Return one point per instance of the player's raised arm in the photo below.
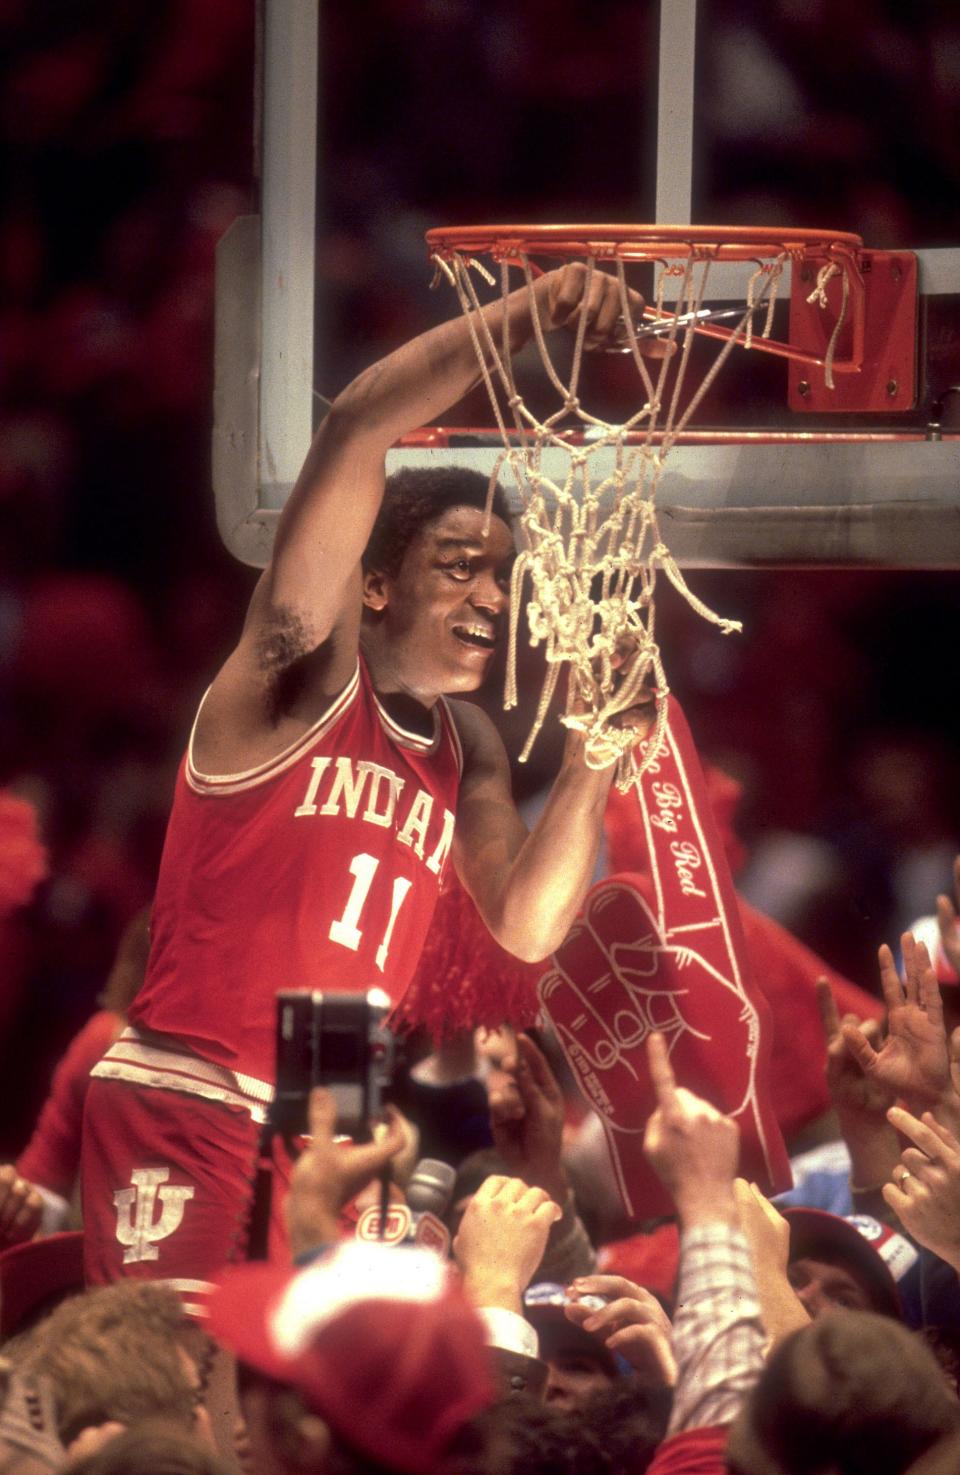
(311, 589)
(331, 511)
(327, 520)
(527, 886)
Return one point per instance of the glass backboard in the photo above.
(674, 113)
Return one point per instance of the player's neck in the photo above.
(411, 708)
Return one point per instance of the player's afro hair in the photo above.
(416, 496)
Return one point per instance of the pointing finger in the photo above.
(661, 1071)
(827, 1004)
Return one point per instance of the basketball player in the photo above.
(326, 784)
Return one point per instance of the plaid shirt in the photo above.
(718, 1337)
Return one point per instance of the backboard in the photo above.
(765, 479)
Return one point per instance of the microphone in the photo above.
(431, 1187)
(420, 1220)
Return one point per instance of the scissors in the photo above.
(660, 326)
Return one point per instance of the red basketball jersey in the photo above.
(317, 870)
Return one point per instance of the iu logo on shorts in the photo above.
(137, 1227)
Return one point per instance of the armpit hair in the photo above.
(288, 659)
(284, 640)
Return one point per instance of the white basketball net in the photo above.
(590, 542)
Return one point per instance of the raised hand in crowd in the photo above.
(925, 1189)
(495, 1052)
(526, 1121)
(912, 1061)
(21, 1208)
(860, 1100)
(526, 1112)
(328, 1174)
(948, 916)
(501, 1241)
(691, 1146)
(854, 1094)
(768, 1235)
(632, 1323)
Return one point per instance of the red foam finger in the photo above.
(664, 951)
(607, 1078)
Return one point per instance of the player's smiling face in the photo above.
(442, 614)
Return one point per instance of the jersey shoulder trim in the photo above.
(450, 723)
(233, 783)
(415, 741)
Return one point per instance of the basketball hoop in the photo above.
(591, 545)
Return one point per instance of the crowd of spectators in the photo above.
(129, 131)
(749, 1336)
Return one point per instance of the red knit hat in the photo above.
(380, 1342)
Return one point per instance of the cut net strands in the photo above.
(591, 544)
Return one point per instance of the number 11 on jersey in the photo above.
(347, 930)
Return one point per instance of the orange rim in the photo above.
(639, 242)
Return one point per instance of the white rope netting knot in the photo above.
(591, 546)
(819, 296)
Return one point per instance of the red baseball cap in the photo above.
(36, 1275)
(878, 1252)
(379, 1341)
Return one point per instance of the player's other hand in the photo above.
(629, 661)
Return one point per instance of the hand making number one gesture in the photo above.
(912, 1062)
(692, 1147)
